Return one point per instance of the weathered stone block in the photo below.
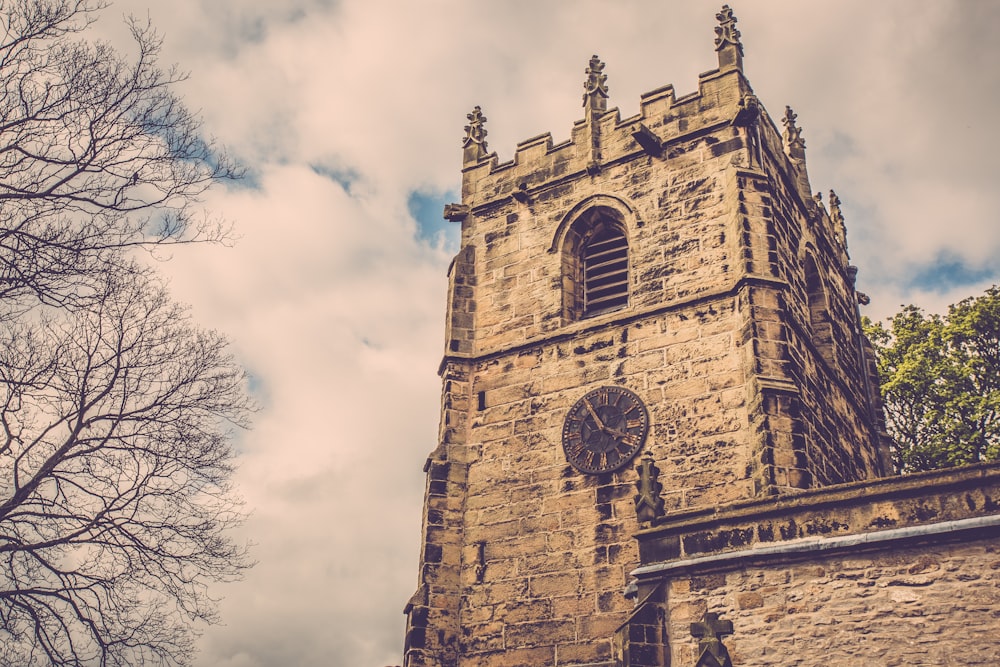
(540, 633)
(553, 585)
(588, 653)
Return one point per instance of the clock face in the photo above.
(604, 430)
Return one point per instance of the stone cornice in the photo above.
(612, 320)
(868, 507)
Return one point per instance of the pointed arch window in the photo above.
(595, 265)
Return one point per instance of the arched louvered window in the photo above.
(595, 261)
(820, 326)
(605, 270)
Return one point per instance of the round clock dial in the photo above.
(604, 430)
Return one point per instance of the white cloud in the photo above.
(337, 307)
(334, 307)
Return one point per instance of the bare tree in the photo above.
(115, 410)
(115, 494)
(97, 153)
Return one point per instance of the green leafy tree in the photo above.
(940, 383)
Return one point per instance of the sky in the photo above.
(348, 116)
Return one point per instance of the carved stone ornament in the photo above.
(747, 117)
(709, 632)
(521, 194)
(726, 32)
(475, 131)
(793, 133)
(749, 110)
(456, 212)
(595, 88)
(648, 503)
(648, 140)
(837, 217)
(834, 200)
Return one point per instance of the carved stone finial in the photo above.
(837, 217)
(709, 632)
(727, 40)
(793, 133)
(726, 32)
(595, 88)
(795, 145)
(648, 503)
(475, 131)
(834, 201)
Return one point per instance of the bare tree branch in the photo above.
(116, 495)
(115, 410)
(97, 153)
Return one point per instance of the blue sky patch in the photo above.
(428, 210)
(948, 272)
(249, 181)
(344, 177)
(258, 389)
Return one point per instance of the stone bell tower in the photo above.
(663, 289)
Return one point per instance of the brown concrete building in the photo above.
(661, 304)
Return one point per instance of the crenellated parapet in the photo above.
(603, 138)
(510, 209)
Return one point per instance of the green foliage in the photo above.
(940, 379)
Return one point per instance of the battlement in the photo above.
(603, 139)
(672, 162)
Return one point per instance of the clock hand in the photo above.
(618, 434)
(593, 413)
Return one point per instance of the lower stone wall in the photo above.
(899, 571)
(922, 605)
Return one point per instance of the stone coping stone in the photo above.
(870, 506)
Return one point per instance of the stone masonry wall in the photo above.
(677, 217)
(541, 550)
(905, 571)
(432, 628)
(548, 549)
(920, 605)
(545, 549)
(823, 428)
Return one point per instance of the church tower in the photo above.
(661, 293)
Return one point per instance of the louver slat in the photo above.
(605, 271)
